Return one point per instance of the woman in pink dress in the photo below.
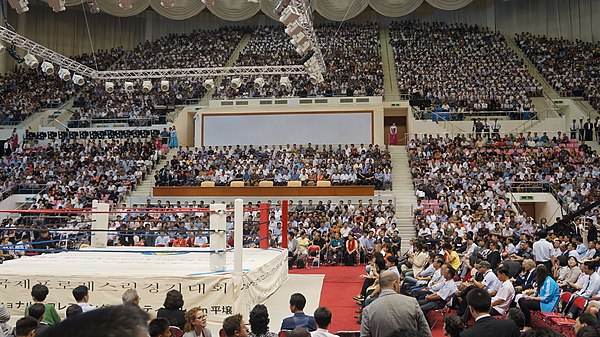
(14, 140)
(393, 134)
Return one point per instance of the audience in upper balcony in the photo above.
(460, 67)
(351, 55)
(571, 67)
(28, 90)
(347, 165)
(76, 173)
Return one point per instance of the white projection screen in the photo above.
(288, 128)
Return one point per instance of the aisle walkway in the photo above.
(340, 284)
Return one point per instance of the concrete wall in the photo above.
(546, 206)
(184, 123)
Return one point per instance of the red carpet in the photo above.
(339, 285)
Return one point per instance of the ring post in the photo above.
(218, 239)
(99, 221)
(264, 225)
(238, 236)
(284, 223)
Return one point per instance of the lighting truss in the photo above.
(66, 63)
(200, 72)
(44, 53)
(305, 21)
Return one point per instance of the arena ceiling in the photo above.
(238, 10)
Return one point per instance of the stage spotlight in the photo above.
(109, 87)
(78, 79)
(2, 48)
(164, 85)
(64, 74)
(167, 3)
(316, 78)
(126, 4)
(57, 5)
(31, 61)
(303, 48)
(146, 86)
(293, 28)
(47, 68)
(259, 82)
(21, 6)
(236, 83)
(284, 82)
(254, 1)
(298, 39)
(128, 86)
(209, 84)
(289, 15)
(209, 2)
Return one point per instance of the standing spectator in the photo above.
(393, 134)
(173, 141)
(165, 135)
(485, 325)
(259, 322)
(542, 251)
(323, 319)
(392, 311)
(299, 319)
(172, 309)
(39, 292)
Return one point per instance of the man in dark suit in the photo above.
(480, 303)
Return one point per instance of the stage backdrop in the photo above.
(343, 127)
(221, 294)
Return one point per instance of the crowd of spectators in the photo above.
(342, 165)
(351, 54)
(102, 59)
(78, 172)
(128, 318)
(460, 67)
(28, 90)
(571, 67)
(473, 174)
(199, 49)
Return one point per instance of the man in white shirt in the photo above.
(82, 296)
(323, 319)
(504, 296)
(542, 251)
(438, 299)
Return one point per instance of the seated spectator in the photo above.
(259, 322)
(110, 321)
(323, 319)
(545, 297)
(505, 295)
(195, 325)
(299, 319)
(159, 327)
(440, 298)
(39, 292)
(26, 327)
(172, 309)
(73, 310)
(37, 311)
(453, 326)
(234, 326)
(480, 305)
(584, 320)
(82, 296)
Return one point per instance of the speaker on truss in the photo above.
(84, 134)
(63, 135)
(52, 135)
(73, 134)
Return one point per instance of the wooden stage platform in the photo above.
(252, 191)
